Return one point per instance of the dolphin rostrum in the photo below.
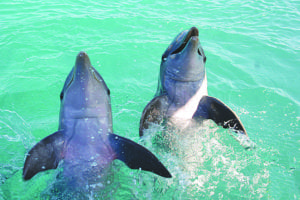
(84, 140)
(182, 88)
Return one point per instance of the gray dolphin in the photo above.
(182, 88)
(84, 140)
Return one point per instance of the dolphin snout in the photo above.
(83, 60)
(193, 32)
(82, 55)
(193, 35)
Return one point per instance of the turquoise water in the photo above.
(252, 51)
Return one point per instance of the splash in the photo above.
(15, 139)
(205, 162)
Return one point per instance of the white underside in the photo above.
(187, 111)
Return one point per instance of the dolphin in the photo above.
(182, 88)
(85, 142)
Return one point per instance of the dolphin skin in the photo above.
(182, 88)
(85, 141)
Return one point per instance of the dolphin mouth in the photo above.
(193, 32)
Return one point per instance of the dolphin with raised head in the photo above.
(182, 88)
(85, 141)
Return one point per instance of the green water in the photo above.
(252, 51)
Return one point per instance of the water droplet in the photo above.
(43, 167)
(86, 99)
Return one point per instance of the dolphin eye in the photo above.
(61, 95)
(199, 52)
(202, 54)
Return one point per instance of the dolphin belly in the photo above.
(188, 110)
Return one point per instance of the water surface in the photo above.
(252, 51)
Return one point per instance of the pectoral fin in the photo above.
(44, 155)
(136, 156)
(221, 114)
(153, 112)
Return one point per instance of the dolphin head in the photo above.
(184, 59)
(85, 93)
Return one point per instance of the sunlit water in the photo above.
(252, 51)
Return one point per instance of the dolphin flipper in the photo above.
(153, 112)
(221, 114)
(136, 156)
(44, 155)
